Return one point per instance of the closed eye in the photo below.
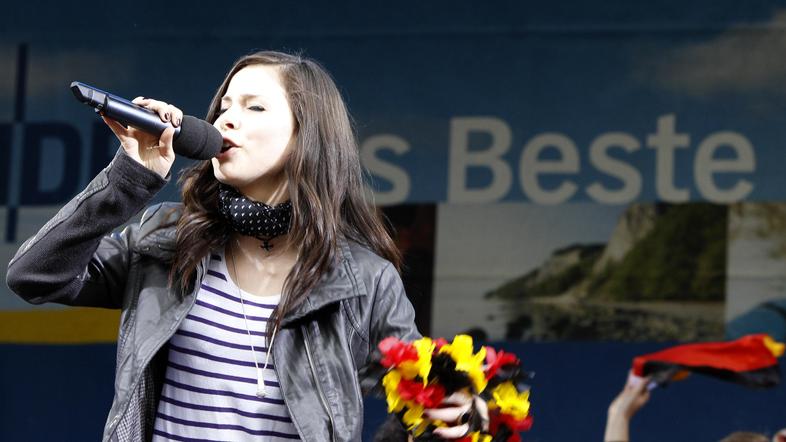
(257, 108)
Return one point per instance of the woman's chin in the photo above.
(254, 186)
(224, 174)
(229, 182)
(223, 177)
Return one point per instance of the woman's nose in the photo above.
(227, 120)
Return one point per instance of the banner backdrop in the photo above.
(584, 171)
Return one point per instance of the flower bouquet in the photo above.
(421, 374)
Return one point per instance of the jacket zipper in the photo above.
(172, 329)
(318, 384)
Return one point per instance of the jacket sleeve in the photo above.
(73, 259)
(392, 315)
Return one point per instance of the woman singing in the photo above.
(251, 310)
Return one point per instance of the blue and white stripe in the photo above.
(210, 388)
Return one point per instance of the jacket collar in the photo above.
(157, 233)
(338, 284)
(159, 244)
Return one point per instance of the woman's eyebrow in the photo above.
(243, 97)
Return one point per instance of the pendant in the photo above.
(261, 393)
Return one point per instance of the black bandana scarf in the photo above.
(253, 218)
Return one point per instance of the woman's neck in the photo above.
(252, 249)
(257, 270)
(271, 191)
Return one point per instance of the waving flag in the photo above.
(750, 361)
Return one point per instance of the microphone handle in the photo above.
(199, 141)
(133, 115)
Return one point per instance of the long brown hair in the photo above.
(325, 185)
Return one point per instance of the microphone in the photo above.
(194, 138)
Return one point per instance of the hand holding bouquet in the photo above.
(427, 374)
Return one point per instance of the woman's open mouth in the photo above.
(227, 146)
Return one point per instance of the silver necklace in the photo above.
(261, 390)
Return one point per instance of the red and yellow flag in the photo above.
(750, 361)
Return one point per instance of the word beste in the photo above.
(533, 168)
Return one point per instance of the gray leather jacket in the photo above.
(321, 350)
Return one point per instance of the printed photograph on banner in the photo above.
(641, 272)
(756, 278)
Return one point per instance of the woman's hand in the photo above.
(458, 411)
(155, 153)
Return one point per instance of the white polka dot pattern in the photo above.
(253, 218)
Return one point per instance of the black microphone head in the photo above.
(197, 139)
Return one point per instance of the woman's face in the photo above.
(259, 130)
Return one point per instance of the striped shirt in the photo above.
(210, 387)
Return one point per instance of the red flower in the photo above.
(430, 396)
(394, 352)
(409, 390)
(516, 426)
(495, 360)
(439, 342)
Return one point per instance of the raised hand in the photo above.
(154, 152)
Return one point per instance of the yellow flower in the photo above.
(390, 382)
(421, 428)
(408, 369)
(413, 416)
(478, 378)
(425, 348)
(421, 367)
(479, 437)
(510, 401)
(467, 361)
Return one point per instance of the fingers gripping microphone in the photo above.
(194, 138)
